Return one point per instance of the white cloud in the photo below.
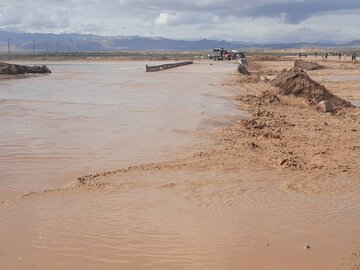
(172, 18)
(165, 19)
(249, 20)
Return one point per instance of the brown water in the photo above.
(182, 220)
(200, 218)
(90, 117)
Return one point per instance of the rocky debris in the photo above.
(325, 106)
(28, 194)
(301, 64)
(242, 70)
(38, 69)
(297, 83)
(12, 69)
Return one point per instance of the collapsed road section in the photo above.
(167, 66)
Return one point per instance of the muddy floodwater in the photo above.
(180, 194)
(90, 117)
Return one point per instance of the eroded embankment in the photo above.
(288, 131)
(12, 69)
(285, 131)
(282, 133)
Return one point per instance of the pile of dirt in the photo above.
(12, 69)
(251, 79)
(297, 83)
(283, 133)
(264, 98)
(301, 64)
(242, 70)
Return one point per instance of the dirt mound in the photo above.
(251, 79)
(242, 70)
(297, 83)
(301, 64)
(12, 69)
(264, 98)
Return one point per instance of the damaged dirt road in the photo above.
(277, 190)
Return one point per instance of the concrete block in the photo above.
(325, 106)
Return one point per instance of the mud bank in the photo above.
(12, 69)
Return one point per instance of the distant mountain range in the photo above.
(24, 42)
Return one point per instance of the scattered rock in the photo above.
(28, 194)
(254, 145)
(201, 154)
(170, 185)
(306, 246)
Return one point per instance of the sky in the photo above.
(262, 21)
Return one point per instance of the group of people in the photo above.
(302, 54)
(325, 56)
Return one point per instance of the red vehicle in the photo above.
(217, 54)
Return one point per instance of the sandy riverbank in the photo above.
(251, 198)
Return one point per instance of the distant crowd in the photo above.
(326, 55)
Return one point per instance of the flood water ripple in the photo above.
(88, 117)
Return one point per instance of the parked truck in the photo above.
(219, 54)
